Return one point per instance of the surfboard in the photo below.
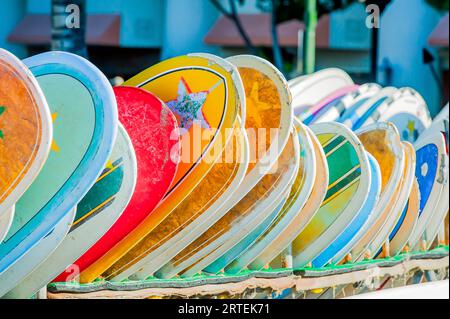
(398, 239)
(407, 110)
(268, 109)
(309, 90)
(431, 157)
(193, 216)
(382, 141)
(153, 132)
(348, 188)
(318, 113)
(202, 94)
(95, 214)
(241, 220)
(341, 246)
(84, 113)
(36, 255)
(25, 130)
(6, 222)
(312, 205)
(354, 100)
(390, 220)
(300, 192)
(358, 115)
(437, 225)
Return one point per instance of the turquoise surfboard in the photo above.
(84, 113)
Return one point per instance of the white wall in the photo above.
(405, 28)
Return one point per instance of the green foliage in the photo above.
(440, 5)
(2, 109)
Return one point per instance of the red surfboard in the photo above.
(153, 131)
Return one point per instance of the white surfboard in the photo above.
(307, 91)
(430, 172)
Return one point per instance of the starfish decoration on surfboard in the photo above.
(189, 105)
(2, 110)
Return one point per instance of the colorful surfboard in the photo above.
(153, 132)
(359, 115)
(300, 192)
(312, 205)
(318, 113)
(405, 226)
(430, 174)
(382, 141)
(348, 188)
(5, 222)
(95, 214)
(309, 90)
(407, 110)
(84, 113)
(391, 219)
(36, 255)
(192, 217)
(25, 130)
(341, 246)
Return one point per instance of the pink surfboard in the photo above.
(153, 131)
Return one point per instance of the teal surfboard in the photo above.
(84, 113)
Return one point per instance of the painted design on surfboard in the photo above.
(426, 171)
(188, 105)
(101, 195)
(75, 89)
(346, 193)
(25, 129)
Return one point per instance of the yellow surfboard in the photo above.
(201, 92)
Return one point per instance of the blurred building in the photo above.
(126, 36)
